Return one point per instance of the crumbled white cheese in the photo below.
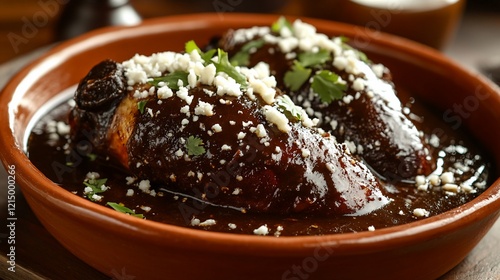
(260, 131)
(236, 191)
(204, 108)
(371, 228)
(144, 186)
(358, 84)
(276, 117)
(262, 230)
(420, 212)
(420, 180)
(447, 177)
(449, 187)
(130, 192)
(305, 153)
(241, 135)
(378, 69)
(434, 180)
(207, 223)
(92, 175)
(226, 148)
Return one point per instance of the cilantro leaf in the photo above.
(223, 65)
(311, 59)
(171, 79)
(295, 78)
(96, 186)
(243, 56)
(141, 105)
(194, 146)
(122, 209)
(191, 46)
(206, 56)
(326, 84)
(288, 107)
(282, 22)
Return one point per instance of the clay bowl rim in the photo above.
(488, 203)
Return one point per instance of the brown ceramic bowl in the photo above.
(111, 241)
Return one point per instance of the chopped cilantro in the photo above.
(206, 56)
(307, 59)
(282, 22)
(223, 65)
(194, 146)
(171, 79)
(122, 209)
(96, 186)
(191, 46)
(295, 78)
(243, 56)
(141, 105)
(326, 84)
(92, 157)
(289, 108)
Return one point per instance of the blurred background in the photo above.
(468, 30)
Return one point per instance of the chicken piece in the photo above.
(232, 147)
(368, 117)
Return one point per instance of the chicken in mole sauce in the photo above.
(270, 127)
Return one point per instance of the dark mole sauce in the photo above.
(68, 168)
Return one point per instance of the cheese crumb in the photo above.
(207, 223)
(419, 212)
(144, 186)
(204, 108)
(262, 230)
(130, 192)
(276, 117)
(447, 177)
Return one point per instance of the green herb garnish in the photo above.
(122, 209)
(171, 79)
(295, 78)
(223, 65)
(288, 107)
(282, 22)
(308, 59)
(92, 157)
(96, 186)
(141, 105)
(326, 84)
(206, 56)
(194, 146)
(242, 58)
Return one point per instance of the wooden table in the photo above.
(40, 256)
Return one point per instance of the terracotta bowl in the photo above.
(111, 241)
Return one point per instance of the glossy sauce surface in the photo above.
(69, 168)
